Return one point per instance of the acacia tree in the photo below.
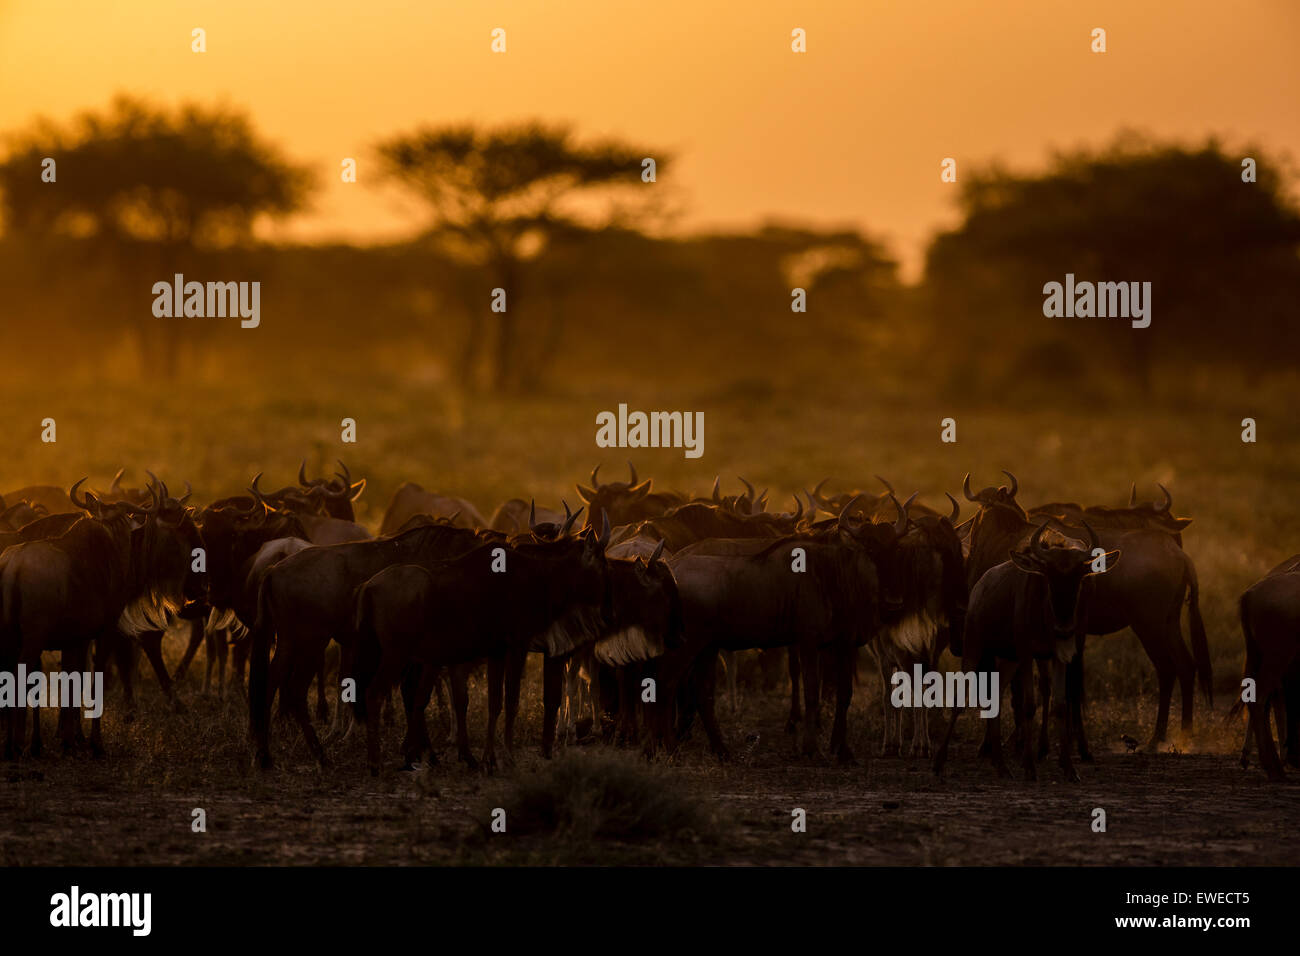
(1220, 252)
(147, 190)
(500, 198)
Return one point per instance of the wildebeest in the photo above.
(1147, 595)
(113, 574)
(625, 502)
(811, 591)
(54, 500)
(1270, 623)
(308, 599)
(468, 608)
(233, 531)
(1033, 607)
(934, 595)
(411, 500)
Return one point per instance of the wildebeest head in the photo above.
(232, 532)
(940, 536)
(333, 495)
(880, 541)
(20, 514)
(1064, 566)
(622, 501)
(1003, 495)
(551, 529)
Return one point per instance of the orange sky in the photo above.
(849, 133)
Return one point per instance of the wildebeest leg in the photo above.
(239, 658)
(1291, 702)
(388, 672)
(707, 690)
(1074, 691)
(197, 627)
(1046, 686)
(515, 661)
(941, 755)
(1165, 674)
(792, 655)
(293, 697)
(151, 644)
(496, 672)
(73, 660)
(459, 679)
(222, 644)
(322, 702)
(845, 660)
(811, 696)
(124, 657)
(889, 746)
(1268, 758)
(552, 688)
(729, 662)
(628, 701)
(1063, 717)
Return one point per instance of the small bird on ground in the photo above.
(1129, 742)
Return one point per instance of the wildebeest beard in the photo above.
(157, 574)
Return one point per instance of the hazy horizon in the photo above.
(755, 129)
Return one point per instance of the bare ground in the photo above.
(1191, 804)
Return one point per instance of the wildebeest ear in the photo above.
(1025, 562)
(586, 493)
(640, 490)
(1181, 523)
(1109, 561)
(357, 488)
(658, 553)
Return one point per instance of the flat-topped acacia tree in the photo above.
(143, 191)
(498, 199)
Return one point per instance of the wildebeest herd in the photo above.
(631, 599)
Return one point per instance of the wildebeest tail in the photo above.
(1200, 645)
(367, 643)
(1251, 660)
(259, 665)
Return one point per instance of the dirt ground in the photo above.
(1190, 804)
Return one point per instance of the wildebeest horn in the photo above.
(84, 503)
(117, 480)
(798, 505)
(532, 514)
(816, 493)
(188, 491)
(302, 474)
(260, 504)
(568, 522)
(844, 512)
(633, 471)
(1133, 495)
(594, 482)
(965, 489)
(717, 484)
(1034, 544)
(900, 526)
(888, 486)
(1169, 499)
(1092, 538)
(658, 552)
(748, 487)
(1015, 485)
(156, 495)
(762, 501)
(956, 508)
